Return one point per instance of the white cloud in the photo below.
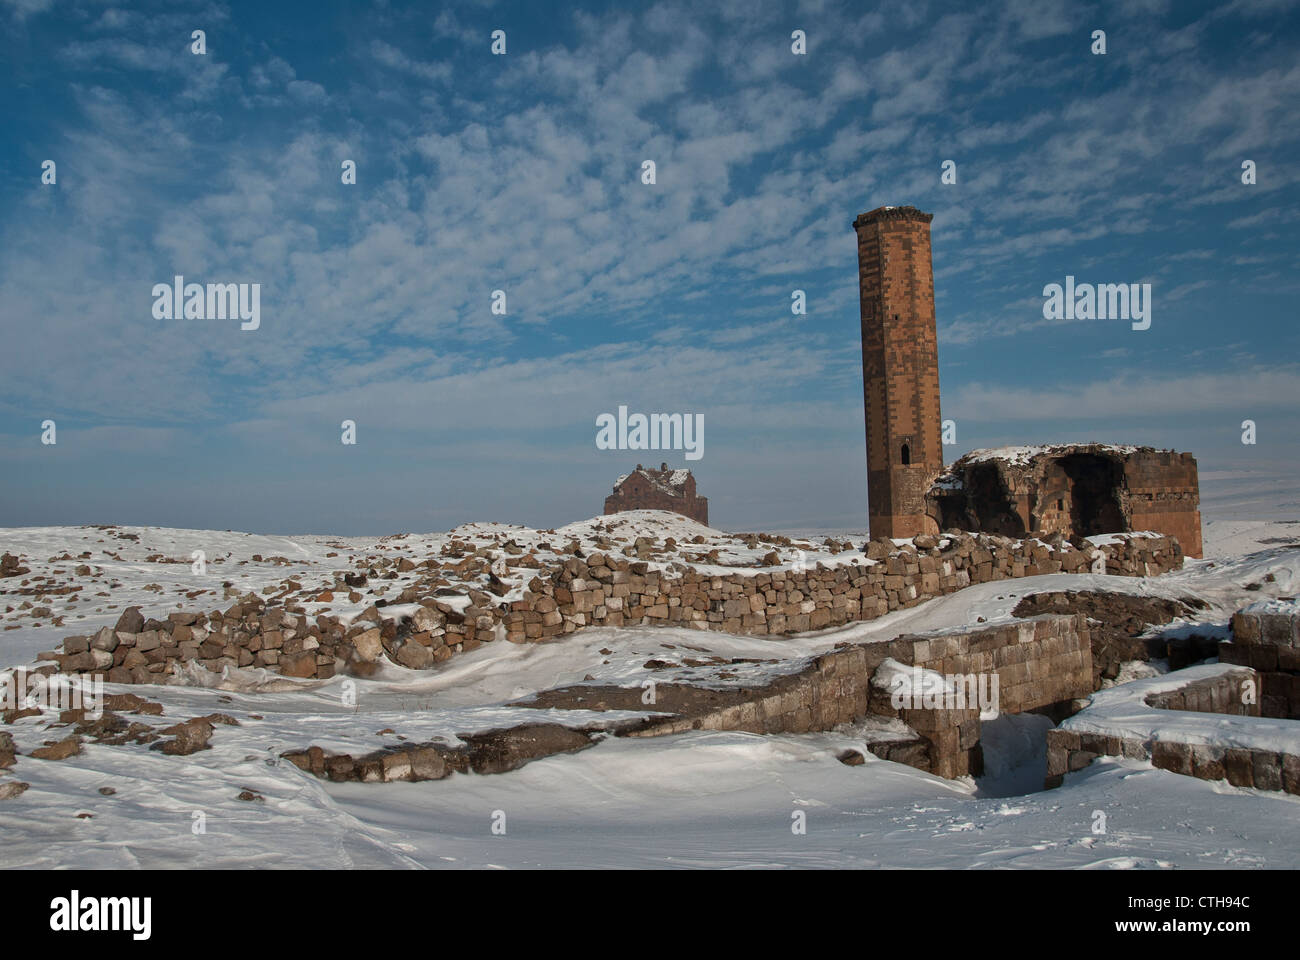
(1135, 395)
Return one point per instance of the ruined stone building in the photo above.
(662, 489)
(1077, 490)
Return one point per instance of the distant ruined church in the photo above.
(662, 489)
(1076, 490)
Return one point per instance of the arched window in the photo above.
(907, 455)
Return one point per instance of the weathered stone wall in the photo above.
(1266, 637)
(1068, 750)
(1040, 663)
(1163, 493)
(598, 590)
(1221, 694)
(253, 633)
(605, 591)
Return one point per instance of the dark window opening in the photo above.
(1060, 503)
(907, 455)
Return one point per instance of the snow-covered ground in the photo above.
(1247, 510)
(692, 800)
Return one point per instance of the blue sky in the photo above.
(522, 173)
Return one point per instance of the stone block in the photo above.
(1172, 756)
(1238, 766)
(1207, 762)
(1266, 768)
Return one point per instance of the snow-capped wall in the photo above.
(1200, 722)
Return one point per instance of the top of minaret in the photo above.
(902, 212)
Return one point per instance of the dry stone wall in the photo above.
(598, 590)
(605, 591)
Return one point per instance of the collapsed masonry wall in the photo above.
(496, 751)
(1241, 766)
(598, 590)
(1039, 662)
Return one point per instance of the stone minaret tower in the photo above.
(900, 368)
